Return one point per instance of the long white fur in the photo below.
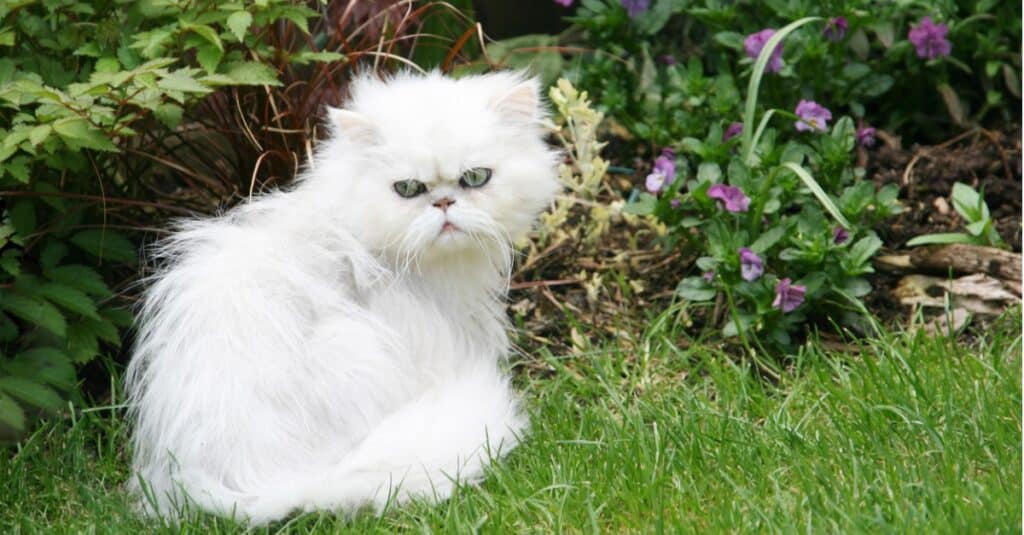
(329, 348)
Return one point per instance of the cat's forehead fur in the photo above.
(436, 110)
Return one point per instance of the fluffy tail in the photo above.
(423, 450)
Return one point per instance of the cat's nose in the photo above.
(444, 203)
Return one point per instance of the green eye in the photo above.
(474, 178)
(410, 188)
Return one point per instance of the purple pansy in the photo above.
(756, 41)
(664, 171)
(667, 59)
(635, 7)
(866, 136)
(675, 203)
(734, 129)
(730, 196)
(709, 276)
(813, 116)
(788, 296)
(751, 265)
(930, 39)
(840, 235)
(564, 3)
(835, 28)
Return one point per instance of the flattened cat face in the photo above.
(440, 167)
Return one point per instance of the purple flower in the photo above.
(866, 136)
(664, 171)
(564, 3)
(930, 39)
(635, 7)
(675, 203)
(733, 130)
(756, 41)
(709, 276)
(840, 235)
(813, 116)
(730, 196)
(751, 265)
(667, 59)
(788, 296)
(835, 28)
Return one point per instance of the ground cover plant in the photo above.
(704, 337)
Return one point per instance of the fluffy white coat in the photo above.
(333, 346)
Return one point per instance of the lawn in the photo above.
(911, 434)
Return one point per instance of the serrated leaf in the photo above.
(104, 330)
(69, 299)
(81, 277)
(79, 133)
(82, 343)
(120, 317)
(183, 81)
(209, 57)
(169, 114)
(206, 32)
(11, 415)
(47, 364)
(39, 134)
(251, 73)
(31, 393)
(105, 244)
(51, 255)
(238, 23)
(35, 311)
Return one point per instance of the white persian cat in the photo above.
(337, 345)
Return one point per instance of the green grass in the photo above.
(910, 435)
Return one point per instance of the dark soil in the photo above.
(988, 161)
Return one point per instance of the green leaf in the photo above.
(695, 289)
(31, 393)
(82, 343)
(857, 287)
(35, 311)
(768, 239)
(77, 132)
(104, 330)
(731, 40)
(238, 23)
(209, 57)
(182, 80)
(11, 415)
(940, 238)
(121, 317)
(23, 217)
(644, 204)
(305, 57)
(39, 134)
(69, 299)
(105, 244)
(864, 249)
(169, 114)
(967, 202)
(81, 277)
(206, 32)
(822, 197)
(46, 364)
(252, 73)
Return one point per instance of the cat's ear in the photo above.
(351, 126)
(521, 103)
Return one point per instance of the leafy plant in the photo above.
(776, 245)
(977, 220)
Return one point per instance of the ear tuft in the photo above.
(351, 126)
(521, 103)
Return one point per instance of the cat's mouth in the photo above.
(448, 226)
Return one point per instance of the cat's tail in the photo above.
(423, 450)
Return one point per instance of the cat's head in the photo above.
(433, 169)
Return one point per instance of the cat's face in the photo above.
(437, 168)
